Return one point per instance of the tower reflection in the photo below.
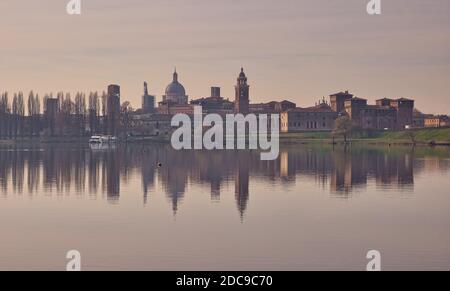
(55, 170)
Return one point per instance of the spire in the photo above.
(175, 76)
(242, 75)
(145, 89)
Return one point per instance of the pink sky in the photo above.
(299, 50)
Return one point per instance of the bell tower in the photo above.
(242, 94)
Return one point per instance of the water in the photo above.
(151, 208)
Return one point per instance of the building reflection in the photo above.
(241, 181)
(54, 170)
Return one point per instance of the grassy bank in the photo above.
(438, 135)
(419, 136)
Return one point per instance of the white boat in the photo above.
(102, 139)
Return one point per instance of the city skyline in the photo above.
(401, 53)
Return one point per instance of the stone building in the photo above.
(271, 107)
(151, 124)
(317, 118)
(173, 108)
(387, 114)
(215, 103)
(371, 117)
(337, 101)
(405, 109)
(437, 121)
(419, 118)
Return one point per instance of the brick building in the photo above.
(386, 114)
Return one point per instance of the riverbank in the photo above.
(431, 136)
(40, 140)
(426, 136)
(79, 140)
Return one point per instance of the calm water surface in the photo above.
(151, 208)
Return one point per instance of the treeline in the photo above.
(69, 116)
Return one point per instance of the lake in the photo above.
(148, 207)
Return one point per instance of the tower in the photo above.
(175, 92)
(113, 109)
(242, 94)
(148, 101)
(405, 109)
(338, 101)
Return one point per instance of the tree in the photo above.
(31, 112)
(104, 105)
(80, 111)
(31, 102)
(94, 107)
(343, 127)
(125, 115)
(5, 116)
(15, 115)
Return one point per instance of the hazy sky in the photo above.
(299, 50)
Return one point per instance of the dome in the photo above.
(175, 88)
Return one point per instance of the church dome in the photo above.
(175, 88)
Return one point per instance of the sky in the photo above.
(299, 50)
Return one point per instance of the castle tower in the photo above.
(242, 94)
(337, 101)
(405, 109)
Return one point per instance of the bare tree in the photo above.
(93, 112)
(104, 105)
(80, 111)
(5, 116)
(31, 112)
(125, 116)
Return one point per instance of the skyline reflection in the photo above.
(61, 171)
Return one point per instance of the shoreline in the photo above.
(417, 137)
(284, 140)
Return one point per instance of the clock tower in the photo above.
(242, 94)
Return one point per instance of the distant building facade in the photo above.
(215, 103)
(386, 114)
(151, 124)
(437, 121)
(272, 107)
(318, 118)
